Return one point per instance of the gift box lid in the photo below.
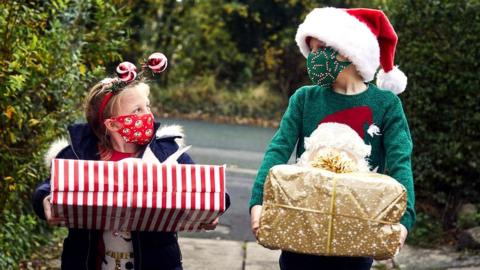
(135, 175)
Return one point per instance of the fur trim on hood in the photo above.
(172, 131)
(54, 150)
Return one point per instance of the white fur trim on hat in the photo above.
(345, 33)
(54, 150)
(394, 80)
(373, 130)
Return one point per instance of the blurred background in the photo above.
(234, 63)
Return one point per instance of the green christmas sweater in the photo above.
(311, 105)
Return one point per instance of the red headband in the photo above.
(105, 100)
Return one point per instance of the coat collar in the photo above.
(85, 143)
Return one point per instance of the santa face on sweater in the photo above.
(338, 143)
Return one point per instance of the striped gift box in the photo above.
(136, 195)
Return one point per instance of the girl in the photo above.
(344, 48)
(120, 125)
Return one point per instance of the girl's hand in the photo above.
(403, 235)
(255, 214)
(47, 208)
(210, 226)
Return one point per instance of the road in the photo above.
(242, 149)
(235, 223)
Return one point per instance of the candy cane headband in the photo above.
(127, 73)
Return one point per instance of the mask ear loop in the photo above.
(105, 136)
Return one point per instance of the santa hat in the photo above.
(364, 36)
(356, 118)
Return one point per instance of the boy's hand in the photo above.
(255, 214)
(210, 226)
(403, 237)
(47, 208)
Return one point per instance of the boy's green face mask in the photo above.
(323, 66)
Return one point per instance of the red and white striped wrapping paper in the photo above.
(135, 195)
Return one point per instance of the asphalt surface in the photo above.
(241, 148)
(235, 223)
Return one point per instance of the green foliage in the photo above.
(46, 256)
(426, 232)
(206, 97)
(237, 42)
(20, 235)
(50, 51)
(468, 221)
(266, 32)
(194, 36)
(438, 50)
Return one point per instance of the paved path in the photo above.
(218, 254)
(211, 254)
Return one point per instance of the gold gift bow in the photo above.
(333, 214)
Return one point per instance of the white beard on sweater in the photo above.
(339, 142)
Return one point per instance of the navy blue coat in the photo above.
(152, 250)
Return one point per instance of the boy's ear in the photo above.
(111, 125)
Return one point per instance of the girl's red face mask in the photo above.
(136, 128)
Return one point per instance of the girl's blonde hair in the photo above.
(92, 106)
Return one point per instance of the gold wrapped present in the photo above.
(315, 211)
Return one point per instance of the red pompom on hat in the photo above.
(364, 36)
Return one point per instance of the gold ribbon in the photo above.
(332, 211)
(329, 213)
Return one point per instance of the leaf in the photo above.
(82, 68)
(33, 43)
(9, 111)
(33, 122)
(12, 136)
